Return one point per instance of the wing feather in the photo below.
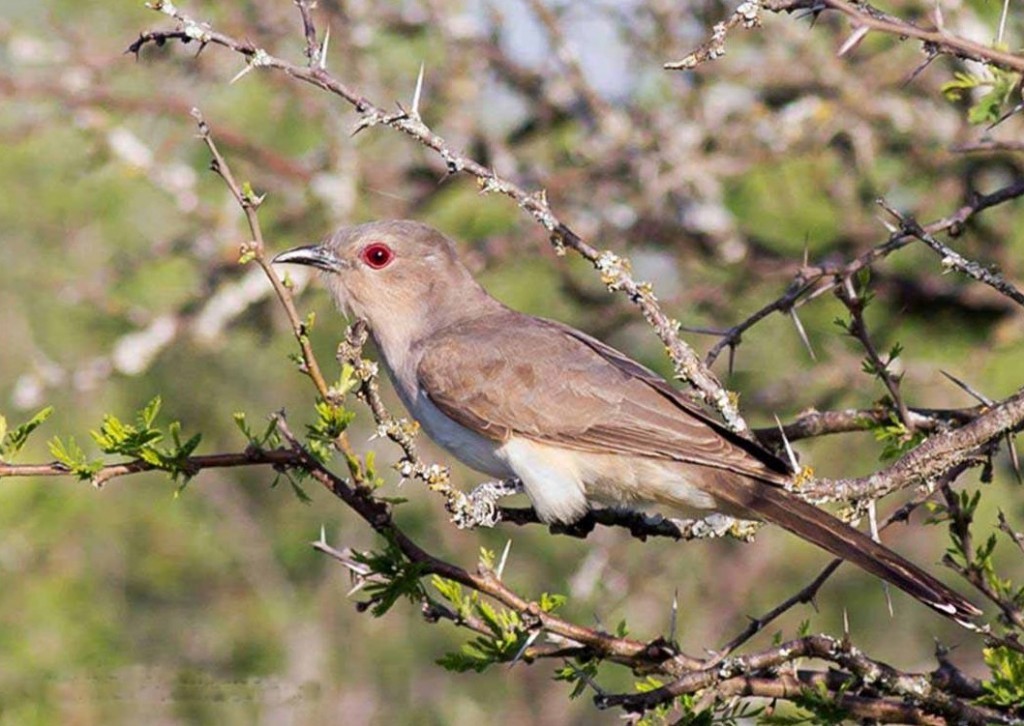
(513, 374)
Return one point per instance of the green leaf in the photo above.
(577, 674)
(954, 90)
(487, 558)
(1007, 685)
(549, 603)
(987, 110)
(822, 704)
(395, 577)
(331, 422)
(989, 107)
(148, 414)
(896, 440)
(347, 380)
(298, 491)
(72, 456)
(268, 439)
(12, 442)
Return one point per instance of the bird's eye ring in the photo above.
(377, 255)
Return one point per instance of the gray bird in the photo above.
(576, 421)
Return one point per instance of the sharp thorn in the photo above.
(675, 616)
(415, 112)
(789, 449)
(853, 41)
(803, 333)
(1014, 459)
(981, 398)
(323, 49)
(504, 559)
(238, 76)
(529, 641)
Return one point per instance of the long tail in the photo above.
(773, 504)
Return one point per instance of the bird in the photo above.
(577, 422)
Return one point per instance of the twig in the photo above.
(249, 203)
(960, 520)
(935, 41)
(930, 460)
(378, 515)
(858, 329)
(812, 424)
(915, 688)
(748, 15)
(951, 259)
(813, 280)
(250, 457)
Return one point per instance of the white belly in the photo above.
(472, 449)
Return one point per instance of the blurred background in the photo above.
(119, 281)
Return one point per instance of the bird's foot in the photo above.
(479, 508)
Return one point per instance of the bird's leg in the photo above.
(479, 508)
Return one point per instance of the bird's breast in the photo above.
(469, 447)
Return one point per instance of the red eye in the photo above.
(377, 255)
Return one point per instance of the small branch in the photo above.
(748, 15)
(929, 461)
(858, 329)
(960, 520)
(935, 41)
(1017, 537)
(916, 689)
(811, 281)
(249, 203)
(756, 625)
(378, 515)
(809, 591)
(812, 424)
(309, 31)
(951, 259)
(731, 338)
(250, 457)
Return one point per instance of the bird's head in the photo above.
(400, 276)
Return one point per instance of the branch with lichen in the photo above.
(934, 41)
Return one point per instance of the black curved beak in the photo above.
(313, 255)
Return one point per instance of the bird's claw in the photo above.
(479, 508)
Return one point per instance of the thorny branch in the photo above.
(916, 688)
(926, 463)
(811, 281)
(865, 18)
(952, 259)
(857, 328)
(809, 592)
(937, 40)
(250, 202)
